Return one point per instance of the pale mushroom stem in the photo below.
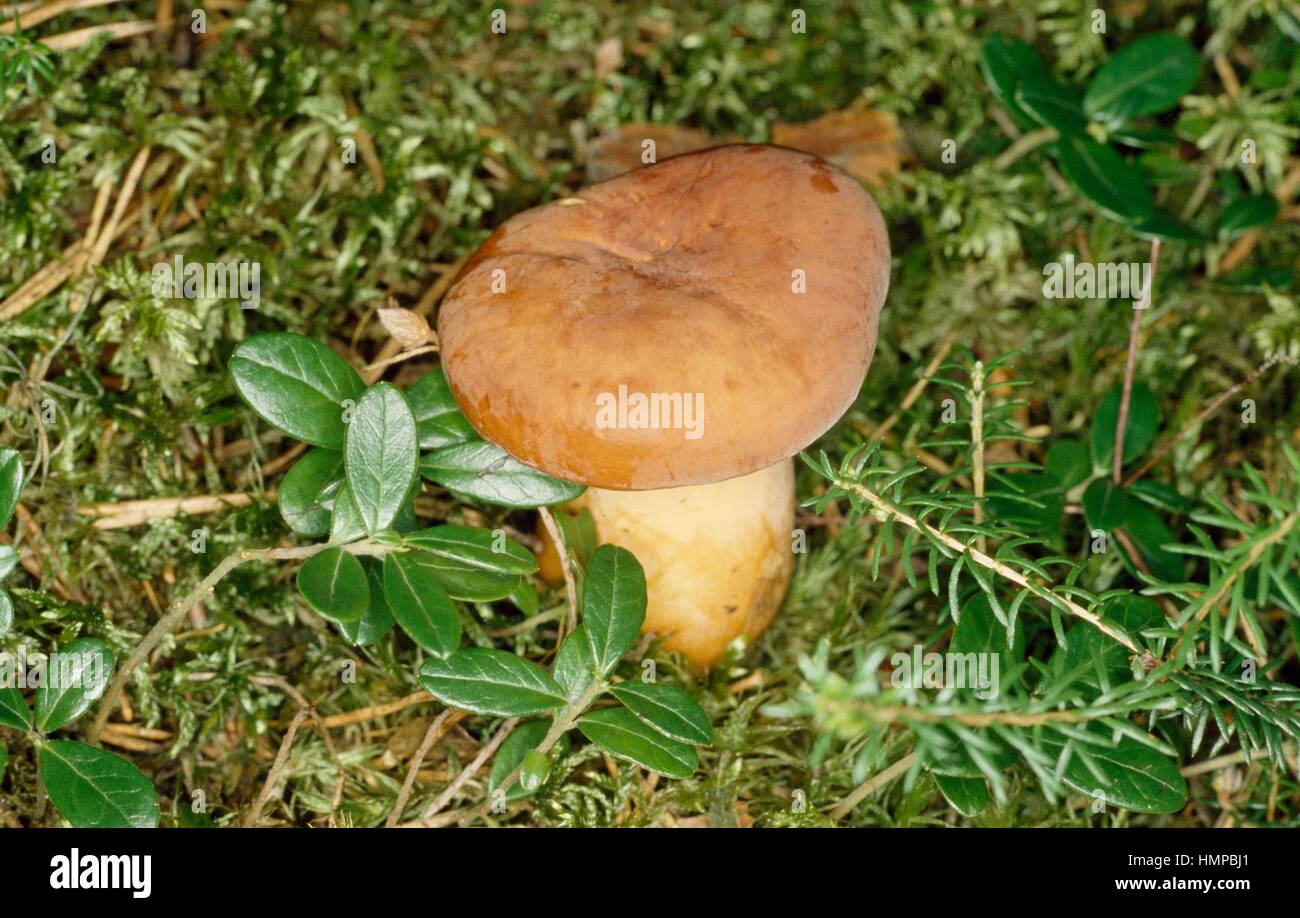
(717, 557)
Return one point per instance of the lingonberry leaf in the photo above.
(95, 789)
(296, 384)
(380, 455)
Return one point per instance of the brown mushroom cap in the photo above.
(679, 278)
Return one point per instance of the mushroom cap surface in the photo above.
(682, 324)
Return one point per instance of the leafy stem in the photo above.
(974, 554)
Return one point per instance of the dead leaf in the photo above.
(609, 57)
(614, 154)
(408, 328)
(865, 144)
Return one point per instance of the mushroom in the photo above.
(670, 338)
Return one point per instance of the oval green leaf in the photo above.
(471, 584)
(1139, 429)
(1005, 61)
(613, 604)
(296, 384)
(334, 584)
(346, 523)
(378, 617)
(438, 419)
(968, 796)
(75, 677)
(1106, 505)
(13, 709)
(1105, 178)
(1245, 213)
(470, 547)
(1068, 462)
(1137, 777)
(380, 455)
(1146, 77)
(300, 492)
(1052, 104)
(574, 670)
(1161, 225)
(1150, 534)
(488, 681)
(8, 561)
(488, 473)
(11, 483)
(6, 613)
(620, 733)
(522, 740)
(95, 789)
(420, 605)
(668, 709)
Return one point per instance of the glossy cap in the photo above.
(682, 324)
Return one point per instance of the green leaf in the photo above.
(1014, 507)
(11, 483)
(94, 789)
(1257, 279)
(1248, 212)
(378, 617)
(1161, 225)
(1106, 505)
(1088, 648)
(534, 771)
(666, 708)
(468, 583)
(1139, 429)
(1105, 178)
(1006, 61)
(300, 492)
(297, 385)
(1068, 462)
(574, 670)
(421, 606)
(1143, 137)
(1137, 777)
(579, 534)
(522, 740)
(1160, 495)
(968, 796)
(613, 604)
(6, 613)
(1052, 104)
(475, 548)
(490, 474)
(380, 455)
(1149, 533)
(8, 561)
(438, 418)
(979, 631)
(347, 523)
(13, 709)
(525, 598)
(1146, 77)
(334, 584)
(488, 681)
(73, 684)
(622, 735)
